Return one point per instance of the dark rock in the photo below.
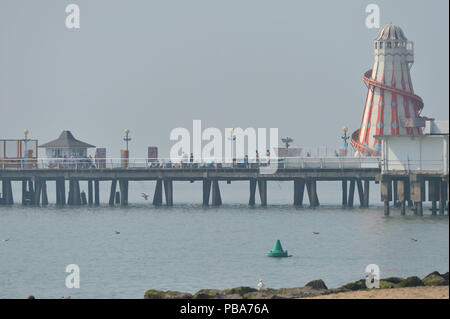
(357, 285)
(413, 281)
(317, 284)
(434, 279)
(394, 280)
(238, 291)
(159, 294)
(436, 273)
(208, 294)
(232, 296)
(297, 292)
(445, 276)
(279, 297)
(387, 284)
(267, 293)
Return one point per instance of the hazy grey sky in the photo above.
(151, 66)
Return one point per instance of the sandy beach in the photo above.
(441, 292)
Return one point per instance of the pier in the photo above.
(403, 188)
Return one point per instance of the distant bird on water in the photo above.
(316, 233)
(413, 239)
(145, 196)
(6, 239)
(117, 232)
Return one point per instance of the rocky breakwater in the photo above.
(311, 289)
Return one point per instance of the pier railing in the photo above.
(164, 163)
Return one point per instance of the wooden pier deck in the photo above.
(404, 188)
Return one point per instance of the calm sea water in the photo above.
(188, 247)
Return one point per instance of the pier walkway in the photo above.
(355, 175)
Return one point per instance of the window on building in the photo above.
(57, 153)
(376, 45)
(388, 45)
(381, 45)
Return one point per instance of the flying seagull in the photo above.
(145, 196)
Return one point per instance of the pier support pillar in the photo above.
(97, 192)
(395, 193)
(351, 193)
(418, 208)
(37, 191)
(408, 193)
(386, 208)
(123, 186)
(77, 193)
(316, 196)
(60, 184)
(216, 198)
(433, 195)
(27, 192)
(360, 192)
(168, 190)
(70, 195)
(117, 198)
(112, 193)
(262, 186)
(401, 196)
(24, 192)
(8, 198)
(44, 193)
(57, 192)
(442, 197)
(311, 187)
(90, 192)
(206, 191)
(386, 193)
(366, 192)
(158, 196)
(63, 191)
(344, 193)
(83, 199)
(417, 184)
(299, 190)
(251, 200)
(30, 186)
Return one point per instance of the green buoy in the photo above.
(277, 251)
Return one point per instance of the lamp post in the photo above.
(233, 139)
(345, 138)
(25, 141)
(25, 132)
(127, 138)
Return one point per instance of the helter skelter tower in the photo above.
(391, 107)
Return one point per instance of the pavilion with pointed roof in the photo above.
(66, 145)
